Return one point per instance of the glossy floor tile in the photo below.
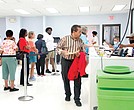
(47, 92)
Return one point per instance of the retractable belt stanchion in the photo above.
(25, 97)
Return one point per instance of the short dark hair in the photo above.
(22, 33)
(48, 29)
(116, 37)
(94, 33)
(39, 36)
(9, 33)
(75, 28)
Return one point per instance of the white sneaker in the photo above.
(32, 78)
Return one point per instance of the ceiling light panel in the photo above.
(1, 1)
(52, 10)
(38, 0)
(21, 11)
(118, 7)
(84, 9)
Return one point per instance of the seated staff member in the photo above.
(131, 40)
(24, 46)
(116, 42)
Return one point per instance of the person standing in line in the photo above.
(50, 45)
(33, 50)
(9, 64)
(25, 48)
(86, 44)
(41, 58)
(69, 47)
(95, 39)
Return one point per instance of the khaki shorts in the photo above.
(50, 55)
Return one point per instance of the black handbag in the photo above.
(19, 55)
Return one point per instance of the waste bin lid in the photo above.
(117, 69)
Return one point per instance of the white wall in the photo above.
(2, 28)
(14, 26)
(61, 24)
(33, 24)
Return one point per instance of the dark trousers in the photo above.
(40, 64)
(22, 72)
(65, 65)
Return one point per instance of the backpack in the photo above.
(44, 49)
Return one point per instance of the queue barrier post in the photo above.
(25, 97)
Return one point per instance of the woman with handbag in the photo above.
(25, 48)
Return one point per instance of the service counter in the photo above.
(95, 63)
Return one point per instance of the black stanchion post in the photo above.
(25, 97)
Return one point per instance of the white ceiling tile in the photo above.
(65, 7)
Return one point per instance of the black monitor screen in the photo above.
(56, 39)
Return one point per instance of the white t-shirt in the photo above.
(95, 39)
(49, 41)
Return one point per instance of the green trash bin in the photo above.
(115, 99)
(115, 88)
(115, 80)
(117, 69)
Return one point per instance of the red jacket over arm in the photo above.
(78, 66)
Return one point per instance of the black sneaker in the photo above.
(6, 88)
(57, 70)
(53, 70)
(85, 76)
(78, 103)
(67, 98)
(27, 84)
(14, 89)
(47, 71)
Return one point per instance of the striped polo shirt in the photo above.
(71, 45)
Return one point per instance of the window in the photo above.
(132, 21)
(109, 31)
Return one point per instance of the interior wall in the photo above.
(62, 24)
(2, 28)
(33, 24)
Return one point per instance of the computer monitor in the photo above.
(56, 39)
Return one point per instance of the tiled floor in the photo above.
(47, 91)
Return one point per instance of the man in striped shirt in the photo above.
(69, 47)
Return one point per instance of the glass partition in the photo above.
(109, 31)
(132, 21)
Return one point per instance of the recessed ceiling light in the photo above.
(84, 9)
(52, 10)
(1, 1)
(118, 7)
(21, 11)
(38, 0)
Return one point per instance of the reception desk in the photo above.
(95, 63)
